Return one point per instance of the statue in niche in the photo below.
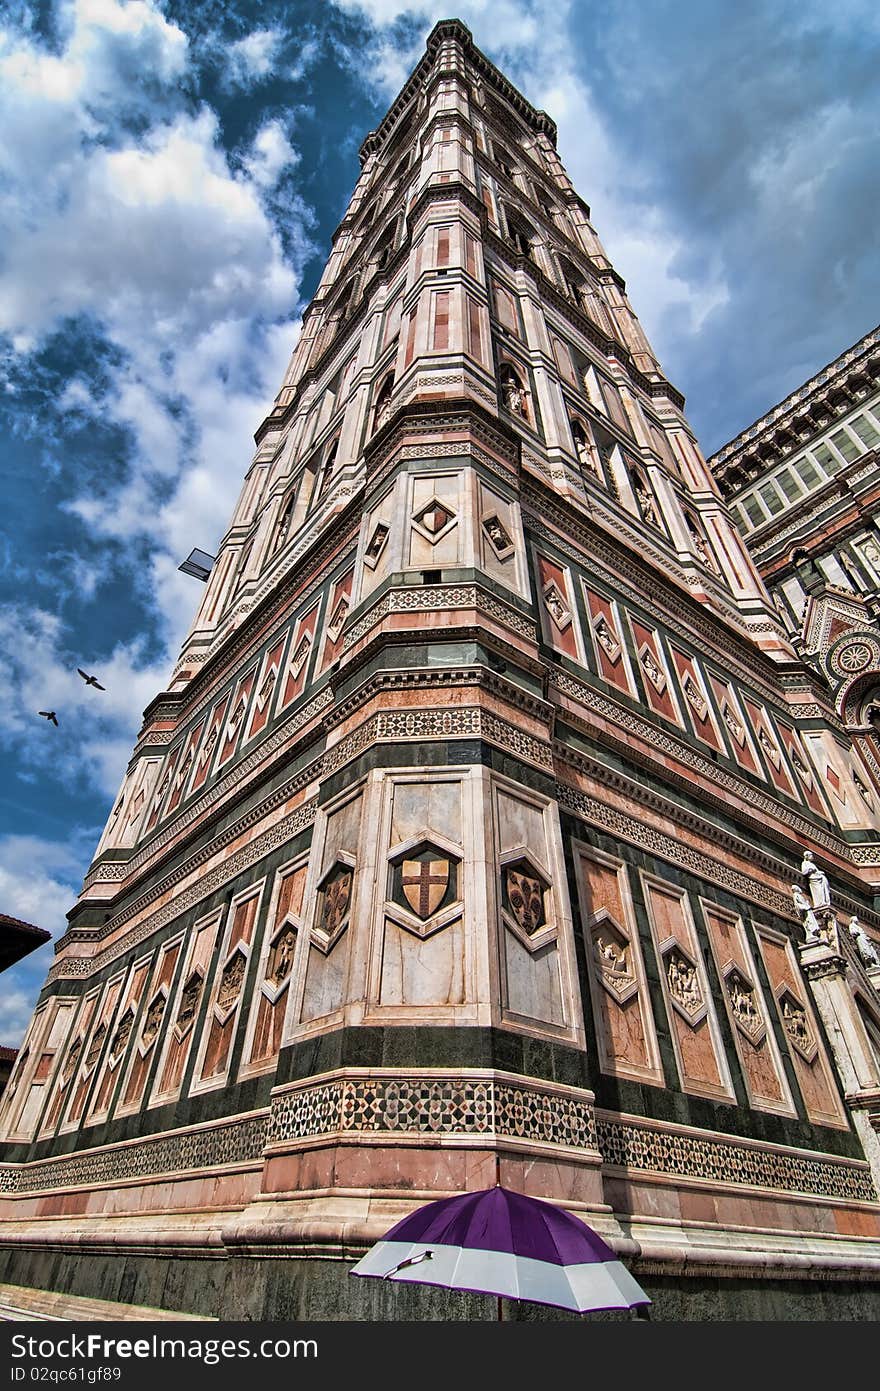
(864, 946)
(584, 451)
(804, 909)
(817, 881)
(646, 502)
(512, 393)
(699, 544)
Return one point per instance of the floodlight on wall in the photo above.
(198, 564)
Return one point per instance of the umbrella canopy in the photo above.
(507, 1244)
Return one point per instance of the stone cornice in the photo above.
(452, 30)
(849, 365)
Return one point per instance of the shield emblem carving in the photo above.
(337, 892)
(424, 884)
(525, 895)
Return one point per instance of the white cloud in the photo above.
(271, 153)
(252, 58)
(39, 881)
(92, 743)
(145, 228)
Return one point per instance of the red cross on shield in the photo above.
(424, 883)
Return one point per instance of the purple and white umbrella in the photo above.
(507, 1244)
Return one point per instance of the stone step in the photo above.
(19, 1303)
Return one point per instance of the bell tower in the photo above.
(462, 843)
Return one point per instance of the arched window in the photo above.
(699, 545)
(644, 497)
(514, 394)
(382, 413)
(385, 247)
(521, 235)
(342, 305)
(586, 451)
(504, 160)
(545, 204)
(285, 520)
(575, 284)
(327, 469)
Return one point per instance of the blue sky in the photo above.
(170, 176)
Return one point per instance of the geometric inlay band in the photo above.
(653, 1150)
(214, 1146)
(463, 1105)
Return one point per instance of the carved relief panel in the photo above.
(535, 936)
(185, 1008)
(763, 1073)
(739, 740)
(207, 750)
(338, 606)
(500, 546)
(85, 1080)
(381, 540)
(34, 1073)
(693, 1026)
(296, 666)
(697, 702)
(183, 768)
(268, 680)
(235, 719)
(227, 992)
(625, 1033)
(152, 1019)
(422, 962)
(68, 1073)
(559, 621)
(283, 930)
(318, 991)
(435, 512)
(768, 742)
(110, 1068)
(609, 645)
(800, 1029)
(654, 672)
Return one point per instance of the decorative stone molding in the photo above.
(239, 1141)
(659, 738)
(172, 829)
(415, 1105)
(647, 1148)
(78, 967)
(431, 597)
(667, 848)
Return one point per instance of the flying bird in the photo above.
(49, 715)
(91, 680)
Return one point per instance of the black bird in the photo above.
(49, 715)
(91, 680)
